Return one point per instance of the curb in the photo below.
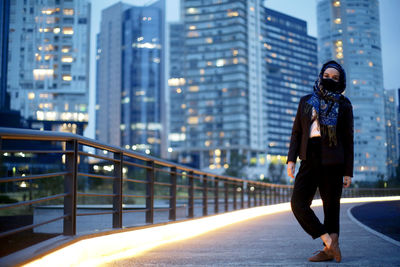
(384, 237)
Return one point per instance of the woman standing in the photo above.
(322, 137)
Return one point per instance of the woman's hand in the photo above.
(290, 169)
(346, 181)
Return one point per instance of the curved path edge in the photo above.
(369, 229)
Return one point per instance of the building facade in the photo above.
(349, 32)
(245, 68)
(392, 145)
(4, 31)
(176, 85)
(48, 68)
(131, 78)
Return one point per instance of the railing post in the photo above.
(70, 186)
(226, 186)
(265, 195)
(205, 195)
(248, 195)
(275, 195)
(172, 194)
(242, 196)
(191, 195)
(117, 190)
(234, 197)
(216, 199)
(255, 203)
(150, 192)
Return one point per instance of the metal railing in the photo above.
(198, 192)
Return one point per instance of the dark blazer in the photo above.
(342, 154)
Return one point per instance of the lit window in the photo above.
(336, 3)
(233, 13)
(56, 30)
(67, 59)
(220, 62)
(65, 49)
(235, 61)
(193, 120)
(192, 10)
(209, 40)
(41, 74)
(192, 27)
(31, 95)
(370, 64)
(68, 11)
(338, 21)
(179, 90)
(67, 78)
(193, 88)
(68, 30)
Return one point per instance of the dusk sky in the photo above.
(302, 9)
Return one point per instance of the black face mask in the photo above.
(330, 85)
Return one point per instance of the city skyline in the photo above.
(305, 10)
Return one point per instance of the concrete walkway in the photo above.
(273, 240)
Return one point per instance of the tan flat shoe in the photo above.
(321, 256)
(334, 250)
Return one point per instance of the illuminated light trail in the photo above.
(101, 250)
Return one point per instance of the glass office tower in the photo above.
(290, 67)
(349, 32)
(131, 78)
(391, 131)
(245, 68)
(176, 84)
(48, 68)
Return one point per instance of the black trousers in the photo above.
(329, 180)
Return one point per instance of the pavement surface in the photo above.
(383, 217)
(272, 240)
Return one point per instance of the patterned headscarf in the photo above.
(326, 103)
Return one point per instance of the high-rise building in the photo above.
(176, 84)
(290, 70)
(131, 78)
(4, 30)
(245, 68)
(48, 68)
(109, 75)
(391, 131)
(349, 32)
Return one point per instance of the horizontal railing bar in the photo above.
(163, 197)
(32, 177)
(28, 227)
(162, 170)
(135, 196)
(95, 195)
(36, 151)
(135, 181)
(198, 187)
(162, 209)
(95, 213)
(137, 210)
(182, 186)
(97, 156)
(29, 202)
(161, 183)
(137, 165)
(95, 175)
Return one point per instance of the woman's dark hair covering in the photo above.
(338, 67)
